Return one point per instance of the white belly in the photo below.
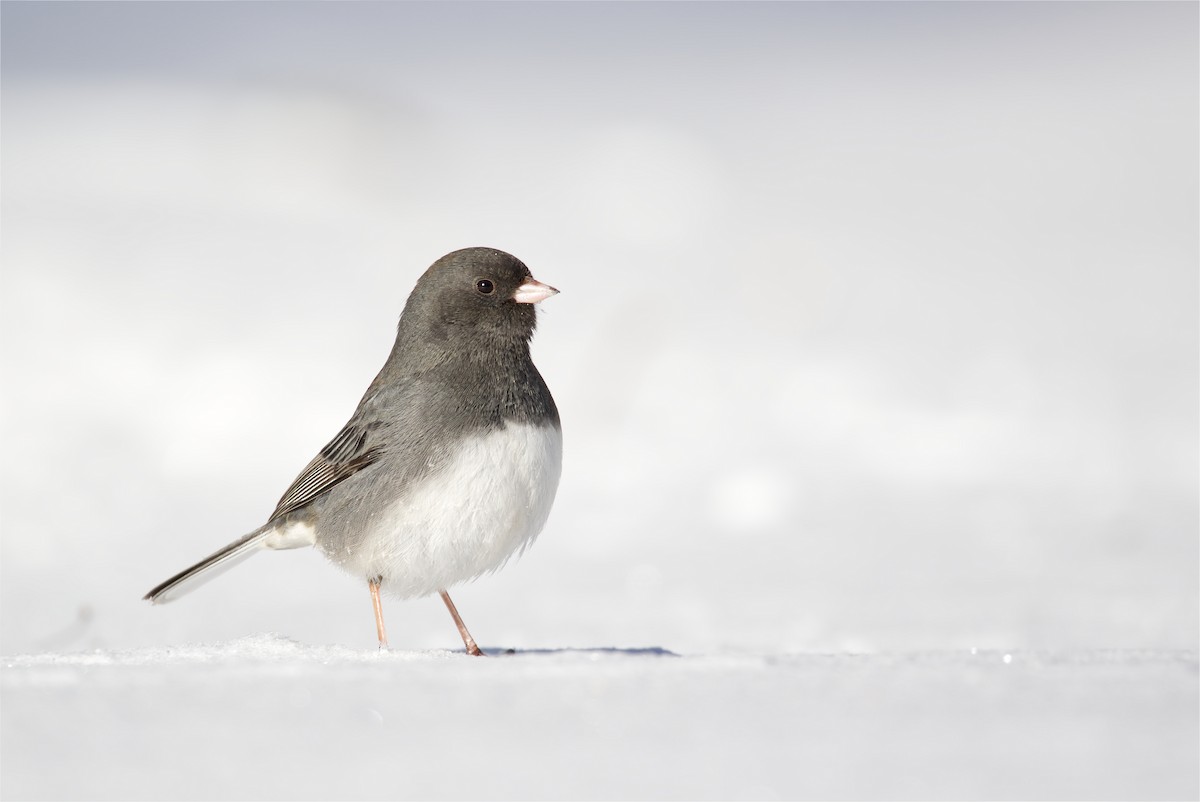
(489, 502)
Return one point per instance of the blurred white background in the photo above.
(878, 325)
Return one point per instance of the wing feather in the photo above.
(345, 455)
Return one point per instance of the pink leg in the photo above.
(373, 584)
(462, 628)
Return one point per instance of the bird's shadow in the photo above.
(594, 651)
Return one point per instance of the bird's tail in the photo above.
(211, 566)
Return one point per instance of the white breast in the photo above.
(487, 504)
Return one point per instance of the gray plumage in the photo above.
(450, 462)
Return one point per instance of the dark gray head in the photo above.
(478, 296)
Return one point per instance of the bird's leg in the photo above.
(377, 603)
(462, 628)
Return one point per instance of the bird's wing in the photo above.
(345, 455)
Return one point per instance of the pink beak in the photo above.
(533, 291)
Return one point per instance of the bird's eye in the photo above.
(484, 286)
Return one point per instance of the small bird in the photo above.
(450, 463)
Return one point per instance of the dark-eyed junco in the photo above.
(449, 465)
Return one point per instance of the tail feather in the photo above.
(210, 567)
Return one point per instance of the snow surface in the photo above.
(266, 717)
(876, 344)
